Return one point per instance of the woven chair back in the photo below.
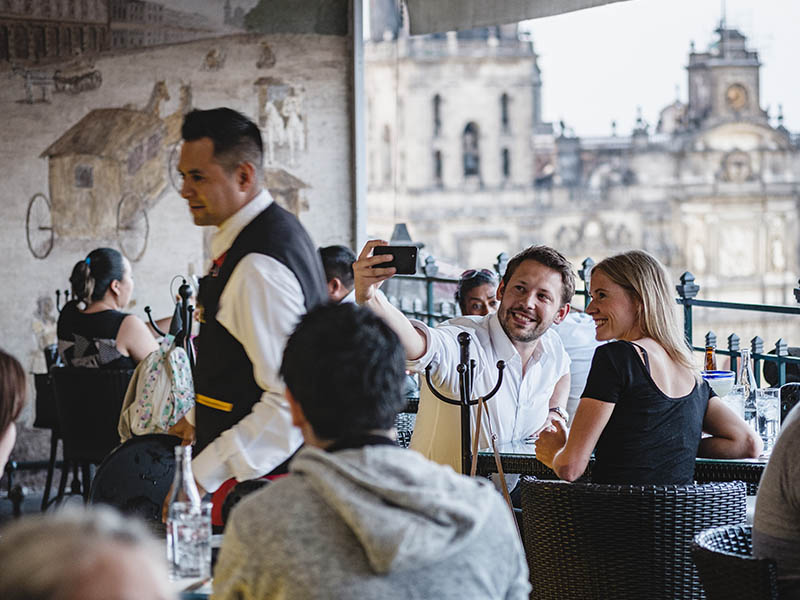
(728, 570)
(586, 541)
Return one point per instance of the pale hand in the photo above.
(368, 276)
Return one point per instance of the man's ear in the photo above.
(298, 417)
(245, 176)
(561, 314)
(501, 288)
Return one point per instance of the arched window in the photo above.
(437, 115)
(504, 112)
(505, 160)
(469, 144)
(386, 155)
(437, 168)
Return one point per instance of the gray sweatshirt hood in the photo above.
(403, 509)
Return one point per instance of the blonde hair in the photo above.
(42, 554)
(645, 279)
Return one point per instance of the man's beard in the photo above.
(525, 336)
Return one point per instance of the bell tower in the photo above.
(724, 81)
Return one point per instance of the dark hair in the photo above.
(338, 262)
(550, 258)
(345, 367)
(12, 390)
(91, 276)
(469, 280)
(236, 138)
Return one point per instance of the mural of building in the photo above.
(458, 151)
(33, 31)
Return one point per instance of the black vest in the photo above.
(223, 378)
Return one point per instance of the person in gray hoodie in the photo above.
(359, 516)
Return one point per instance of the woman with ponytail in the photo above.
(645, 408)
(92, 329)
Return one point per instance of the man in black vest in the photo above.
(266, 274)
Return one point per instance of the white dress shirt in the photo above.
(520, 406)
(260, 306)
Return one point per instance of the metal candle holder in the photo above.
(181, 325)
(466, 376)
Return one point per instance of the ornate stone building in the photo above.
(458, 152)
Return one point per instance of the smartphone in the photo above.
(404, 258)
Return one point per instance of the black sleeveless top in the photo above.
(90, 340)
(651, 438)
(224, 380)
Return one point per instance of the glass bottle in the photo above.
(188, 523)
(748, 380)
(711, 359)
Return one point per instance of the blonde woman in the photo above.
(644, 408)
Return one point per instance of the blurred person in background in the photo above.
(12, 399)
(477, 292)
(82, 554)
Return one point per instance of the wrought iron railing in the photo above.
(433, 311)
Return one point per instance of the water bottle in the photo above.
(188, 523)
(748, 380)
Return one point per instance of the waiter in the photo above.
(266, 274)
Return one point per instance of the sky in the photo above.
(600, 64)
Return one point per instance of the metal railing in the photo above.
(434, 311)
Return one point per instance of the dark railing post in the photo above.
(797, 292)
(781, 350)
(687, 290)
(430, 269)
(756, 348)
(733, 348)
(711, 339)
(586, 275)
(501, 264)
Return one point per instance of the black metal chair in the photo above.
(136, 476)
(47, 418)
(89, 402)
(728, 570)
(790, 394)
(586, 541)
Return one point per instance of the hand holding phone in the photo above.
(404, 258)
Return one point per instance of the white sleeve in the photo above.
(260, 307)
(442, 352)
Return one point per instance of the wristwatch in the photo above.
(560, 412)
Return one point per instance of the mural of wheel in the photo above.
(39, 226)
(132, 226)
(172, 166)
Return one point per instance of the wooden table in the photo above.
(519, 458)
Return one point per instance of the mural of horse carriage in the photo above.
(104, 174)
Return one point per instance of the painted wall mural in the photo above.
(93, 98)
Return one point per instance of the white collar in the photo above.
(231, 227)
(503, 348)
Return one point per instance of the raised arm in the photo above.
(368, 278)
(730, 437)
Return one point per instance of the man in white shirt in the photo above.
(534, 293)
(266, 274)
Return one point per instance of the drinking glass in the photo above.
(189, 540)
(720, 381)
(735, 399)
(768, 415)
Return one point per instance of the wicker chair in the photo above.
(727, 568)
(588, 540)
